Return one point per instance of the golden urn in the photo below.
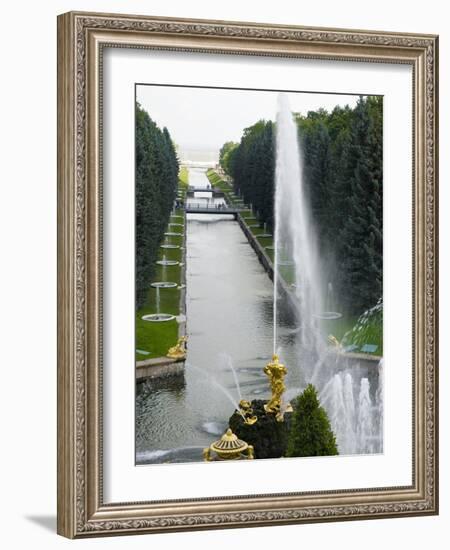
(229, 447)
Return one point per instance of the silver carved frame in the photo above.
(81, 39)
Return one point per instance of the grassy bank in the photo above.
(183, 183)
(156, 338)
(183, 178)
(216, 181)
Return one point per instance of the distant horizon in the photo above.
(203, 119)
(198, 154)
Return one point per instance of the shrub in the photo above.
(268, 436)
(311, 433)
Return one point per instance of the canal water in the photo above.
(229, 310)
(229, 320)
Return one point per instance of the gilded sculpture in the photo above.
(276, 372)
(178, 351)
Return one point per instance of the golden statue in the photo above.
(276, 372)
(229, 447)
(246, 411)
(178, 351)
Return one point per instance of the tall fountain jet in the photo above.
(297, 271)
(299, 287)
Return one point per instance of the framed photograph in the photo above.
(247, 274)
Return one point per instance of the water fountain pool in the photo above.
(158, 317)
(165, 262)
(163, 284)
(329, 314)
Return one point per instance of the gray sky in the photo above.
(204, 119)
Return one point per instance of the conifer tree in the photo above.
(360, 240)
(156, 184)
(310, 433)
(318, 177)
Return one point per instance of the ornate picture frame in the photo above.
(82, 38)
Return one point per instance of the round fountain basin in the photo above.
(164, 284)
(158, 317)
(167, 262)
(170, 246)
(328, 315)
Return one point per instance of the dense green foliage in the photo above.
(252, 166)
(156, 184)
(310, 433)
(225, 155)
(342, 168)
(360, 252)
(268, 436)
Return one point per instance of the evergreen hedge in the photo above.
(156, 186)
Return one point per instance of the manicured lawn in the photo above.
(264, 241)
(157, 338)
(217, 182)
(183, 177)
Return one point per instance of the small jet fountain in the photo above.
(247, 413)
